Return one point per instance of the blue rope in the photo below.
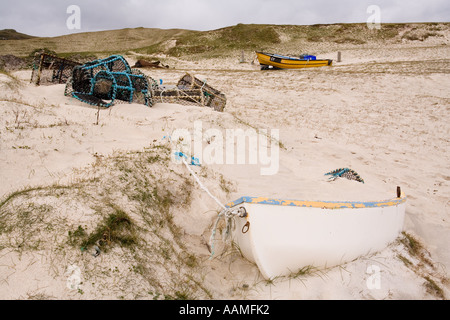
(194, 161)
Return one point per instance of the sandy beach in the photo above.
(383, 112)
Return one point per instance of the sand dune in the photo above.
(384, 112)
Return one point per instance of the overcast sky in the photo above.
(49, 17)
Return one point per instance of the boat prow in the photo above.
(284, 236)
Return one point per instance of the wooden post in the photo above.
(399, 192)
(41, 62)
(98, 113)
(339, 57)
(242, 57)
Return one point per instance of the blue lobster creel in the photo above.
(101, 82)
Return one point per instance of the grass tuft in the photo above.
(116, 229)
(424, 267)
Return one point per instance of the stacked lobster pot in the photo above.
(103, 82)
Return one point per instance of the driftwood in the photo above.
(147, 64)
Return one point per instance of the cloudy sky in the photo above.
(49, 17)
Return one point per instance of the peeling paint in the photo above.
(319, 204)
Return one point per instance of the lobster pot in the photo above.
(184, 97)
(49, 69)
(213, 97)
(102, 82)
(83, 75)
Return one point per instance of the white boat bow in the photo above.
(284, 236)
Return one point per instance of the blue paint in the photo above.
(339, 204)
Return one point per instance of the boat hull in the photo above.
(281, 62)
(283, 237)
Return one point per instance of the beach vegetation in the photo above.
(422, 265)
(129, 220)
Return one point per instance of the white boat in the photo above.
(284, 236)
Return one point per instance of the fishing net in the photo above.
(345, 173)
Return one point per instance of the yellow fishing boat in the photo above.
(276, 61)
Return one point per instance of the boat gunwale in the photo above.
(332, 205)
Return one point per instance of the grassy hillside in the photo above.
(188, 43)
(92, 42)
(11, 34)
(221, 40)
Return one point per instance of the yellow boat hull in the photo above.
(289, 63)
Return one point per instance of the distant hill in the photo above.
(297, 39)
(221, 42)
(11, 34)
(117, 41)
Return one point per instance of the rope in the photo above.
(203, 85)
(202, 186)
(226, 213)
